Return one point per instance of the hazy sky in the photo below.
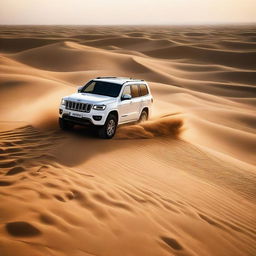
(100, 12)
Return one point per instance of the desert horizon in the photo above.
(181, 183)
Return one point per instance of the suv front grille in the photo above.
(78, 106)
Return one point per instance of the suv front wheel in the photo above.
(108, 130)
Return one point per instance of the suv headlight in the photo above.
(99, 107)
(63, 102)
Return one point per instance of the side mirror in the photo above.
(126, 97)
(79, 89)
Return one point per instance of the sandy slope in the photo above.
(181, 184)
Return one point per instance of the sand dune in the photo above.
(182, 183)
(203, 55)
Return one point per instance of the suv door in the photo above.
(145, 97)
(136, 101)
(124, 109)
(129, 110)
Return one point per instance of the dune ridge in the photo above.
(182, 183)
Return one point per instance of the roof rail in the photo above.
(99, 77)
(136, 79)
(130, 78)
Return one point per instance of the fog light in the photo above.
(60, 111)
(97, 118)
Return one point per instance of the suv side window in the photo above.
(127, 90)
(143, 90)
(135, 90)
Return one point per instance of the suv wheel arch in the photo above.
(115, 113)
(145, 109)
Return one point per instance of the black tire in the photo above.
(108, 130)
(65, 125)
(143, 116)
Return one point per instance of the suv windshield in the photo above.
(102, 88)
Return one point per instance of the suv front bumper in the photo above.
(94, 117)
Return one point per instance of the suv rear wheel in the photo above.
(108, 130)
(65, 125)
(143, 116)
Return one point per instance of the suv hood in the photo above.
(90, 98)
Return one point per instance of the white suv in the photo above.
(106, 102)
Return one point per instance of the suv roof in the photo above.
(117, 80)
